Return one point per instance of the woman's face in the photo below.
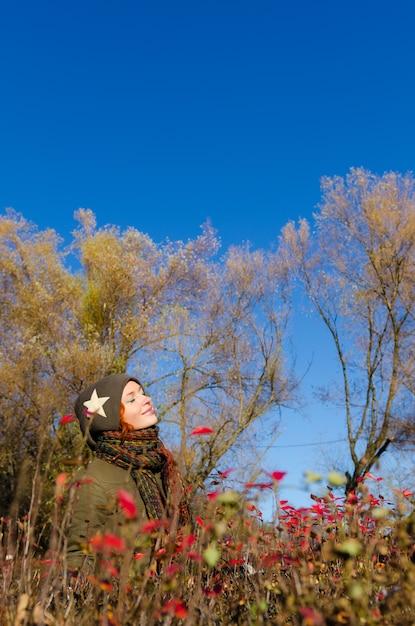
(138, 408)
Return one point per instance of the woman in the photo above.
(119, 422)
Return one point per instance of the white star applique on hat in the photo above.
(96, 405)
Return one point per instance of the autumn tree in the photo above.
(357, 266)
(223, 365)
(205, 334)
(36, 294)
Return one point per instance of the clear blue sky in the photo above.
(162, 114)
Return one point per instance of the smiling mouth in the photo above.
(148, 412)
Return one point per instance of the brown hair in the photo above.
(125, 428)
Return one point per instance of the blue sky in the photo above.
(162, 114)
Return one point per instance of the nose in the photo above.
(146, 400)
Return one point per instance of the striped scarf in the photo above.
(144, 454)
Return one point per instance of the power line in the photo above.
(304, 445)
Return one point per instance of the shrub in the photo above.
(338, 561)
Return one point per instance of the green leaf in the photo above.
(352, 547)
(312, 477)
(336, 479)
(380, 513)
(211, 555)
(356, 591)
(229, 497)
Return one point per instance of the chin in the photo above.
(148, 424)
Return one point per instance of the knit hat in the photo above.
(98, 406)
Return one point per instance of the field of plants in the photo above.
(342, 560)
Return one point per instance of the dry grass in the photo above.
(336, 562)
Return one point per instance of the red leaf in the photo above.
(152, 525)
(226, 473)
(311, 616)
(261, 486)
(278, 475)
(113, 571)
(176, 608)
(186, 542)
(61, 479)
(214, 591)
(173, 569)
(369, 475)
(108, 543)
(112, 542)
(202, 430)
(68, 419)
(212, 496)
(79, 483)
(127, 503)
(352, 498)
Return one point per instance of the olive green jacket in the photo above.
(94, 511)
